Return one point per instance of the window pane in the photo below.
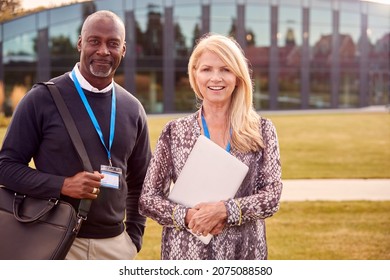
(257, 28)
(149, 39)
(320, 40)
(63, 46)
(379, 60)
(187, 20)
(349, 61)
(257, 23)
(223, 22)
(19, 26)
(289, 41)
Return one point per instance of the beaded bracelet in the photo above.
(173, 218)
(239, 207)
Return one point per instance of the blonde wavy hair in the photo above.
(244, 120)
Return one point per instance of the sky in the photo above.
(30, 4)
(380, 1)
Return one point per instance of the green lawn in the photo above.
(332, 145)
(323, 230)
(353, 230)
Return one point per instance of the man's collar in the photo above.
(85, 84)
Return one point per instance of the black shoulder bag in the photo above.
(42, 229)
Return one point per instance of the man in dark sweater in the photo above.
(112, 124)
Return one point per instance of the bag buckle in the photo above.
(54, 200)
(80, 220)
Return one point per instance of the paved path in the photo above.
(336, 189)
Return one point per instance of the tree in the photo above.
(233, 29)
(9, 9)
(153, 35)
(180, 42)
(290, 38)
(196, 36)
(250, 38)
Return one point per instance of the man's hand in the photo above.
(82, 185)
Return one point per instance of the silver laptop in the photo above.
(210, 174)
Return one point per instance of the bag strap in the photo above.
(17, 204)
(70, 126)
(85, 204)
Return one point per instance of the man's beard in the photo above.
(100, 73)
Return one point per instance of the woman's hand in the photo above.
(189, 215)
(207, 218)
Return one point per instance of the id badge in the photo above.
(111, 176)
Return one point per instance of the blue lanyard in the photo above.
(93, 118)
(207, 133)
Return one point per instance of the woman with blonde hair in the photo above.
(220, 76)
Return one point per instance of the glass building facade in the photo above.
(305, 54)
